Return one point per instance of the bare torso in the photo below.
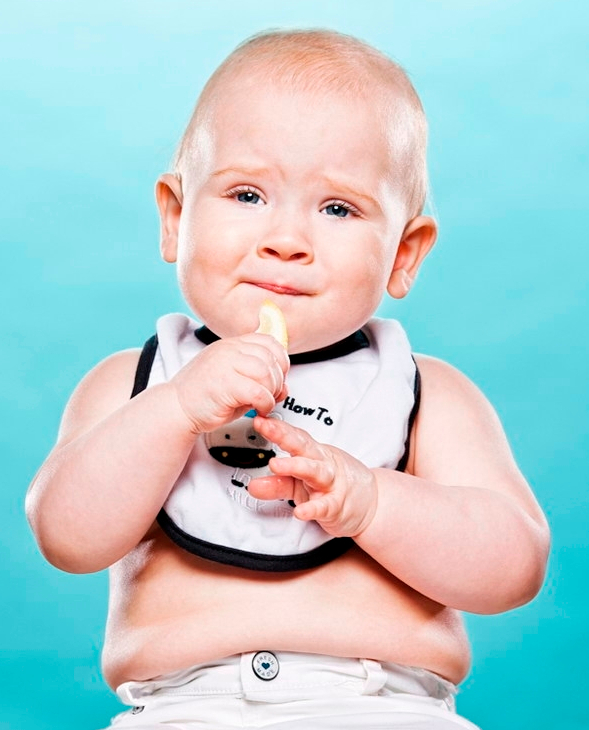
(169, 610)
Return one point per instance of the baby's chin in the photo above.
(317, 340)
(298, 342)
(303, 336)
(228, 325)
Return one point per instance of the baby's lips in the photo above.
(272, 322)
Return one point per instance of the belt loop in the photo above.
(134, 693)
(376, 677)
(245, 669)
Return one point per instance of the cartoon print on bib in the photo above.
(239, 446)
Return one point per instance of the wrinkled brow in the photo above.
(247, 171)
(341, 187)
(347, 190)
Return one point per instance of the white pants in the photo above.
(289, 691)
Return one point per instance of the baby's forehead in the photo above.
(244, 89)
(245, 92)
(254, 94)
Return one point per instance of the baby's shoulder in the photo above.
(442, 376)
(459, 438)
(445, 390)
(101, 391)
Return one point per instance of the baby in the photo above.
(291, 537)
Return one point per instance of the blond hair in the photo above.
(325, 60)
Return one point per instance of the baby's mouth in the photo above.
(278, 288)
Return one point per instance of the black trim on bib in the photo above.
(402, 465)
(253, 561)
(144, 365)
(352, 343)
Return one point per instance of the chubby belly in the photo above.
(169, 609)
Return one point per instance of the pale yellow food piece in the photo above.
(272, 322)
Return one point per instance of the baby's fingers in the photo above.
(316, 474)
(323, 509)
(273, 487)
(294, 441)
(263, 369)
(285, 488)
(247, 393)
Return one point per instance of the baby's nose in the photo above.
(286, 240)
(286, 243)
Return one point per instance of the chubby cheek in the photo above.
(368, 278)
(203, 281)
(192, 268)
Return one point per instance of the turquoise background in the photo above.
(93, 99)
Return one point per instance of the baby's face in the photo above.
(292, 199)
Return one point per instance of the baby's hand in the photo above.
(326, 484)
(229, 378)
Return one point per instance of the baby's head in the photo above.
(300, 177)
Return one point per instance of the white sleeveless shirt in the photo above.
(360, 395)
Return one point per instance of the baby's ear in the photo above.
(416, 242)
(168, 194)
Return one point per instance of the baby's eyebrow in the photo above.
(352, 192)
(247, 171)
(341, 187)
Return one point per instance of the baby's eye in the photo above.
(245, 195)
(248, 197)
(339, 209)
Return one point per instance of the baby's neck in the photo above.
(356, 341)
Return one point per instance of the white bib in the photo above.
(360, 395)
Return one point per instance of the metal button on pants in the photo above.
(265, 665)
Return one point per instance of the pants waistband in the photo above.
(268, 676)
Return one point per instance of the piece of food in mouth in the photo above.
(272, 322)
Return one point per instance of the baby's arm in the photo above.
(116, 459)
(463, 528)
(480, 542)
